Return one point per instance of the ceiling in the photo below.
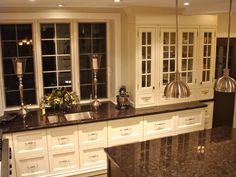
(196, 6)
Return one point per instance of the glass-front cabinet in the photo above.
(207, 62)
(146, 65)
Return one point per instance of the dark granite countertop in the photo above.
(107, 111)
(208, 153)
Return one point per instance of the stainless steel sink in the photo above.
(78, 116)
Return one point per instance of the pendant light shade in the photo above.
(226, 83)
(177, 88)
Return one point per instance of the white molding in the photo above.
(2, 98)
(225, 35)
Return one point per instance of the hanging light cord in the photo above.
(228, 41)
(177, 39)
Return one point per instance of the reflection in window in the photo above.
(56, 56)
(16, 42)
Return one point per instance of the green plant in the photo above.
(60, 99)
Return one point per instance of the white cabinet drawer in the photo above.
(192, 120)
(30, 142)
(93, 135)
(33, 166)
(63, 161)
(158, 125)
(92, 157)
(145, 99)
(206, 93)
(62, 138)
(125, 131)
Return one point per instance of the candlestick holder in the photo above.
(95, 65)
(19, 69)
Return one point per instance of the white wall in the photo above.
(222, 27)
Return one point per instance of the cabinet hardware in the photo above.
(63, 140)
(32, 167)
(92, 136)
(159, 126)
(153, 87)
(126, 131)
(189, 121)
(30, 145)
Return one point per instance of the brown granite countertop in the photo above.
(208, 153)
(107, 111)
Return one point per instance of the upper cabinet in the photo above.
(156, 62)
(146, 66)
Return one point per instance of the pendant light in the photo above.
(226, 83)
(177, 88)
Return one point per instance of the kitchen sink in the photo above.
(78, 116)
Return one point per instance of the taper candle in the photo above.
(94, 63)
(19, 68)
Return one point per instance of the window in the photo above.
(56, 56)
(16, 42)
(92, 40)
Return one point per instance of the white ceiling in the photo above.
(196, 7)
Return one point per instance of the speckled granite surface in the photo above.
(210, 153)
(34, 120)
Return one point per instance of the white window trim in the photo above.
(73, 18)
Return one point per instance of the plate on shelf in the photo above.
(6, 118)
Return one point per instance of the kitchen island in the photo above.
(208, 153)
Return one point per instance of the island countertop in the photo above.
(208, 153)
(107, 111)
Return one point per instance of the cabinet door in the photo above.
(146, 63)
(125, 131)
(207, 48)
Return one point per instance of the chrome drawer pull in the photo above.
(189, 121)
(159, 126)
(32, 167)
(126, 131)
(30, 145)
(64, 163)
(205, 92)
(63, 140)
(92, 136)
(93, 157)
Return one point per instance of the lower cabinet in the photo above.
(78, 150)
(32, 165)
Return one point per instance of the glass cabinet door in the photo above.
(146, 57)
(187, 55)
(168, 56)
(207, 58)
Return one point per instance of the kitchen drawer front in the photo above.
(30, 142)
(33, 166)
(206, 93)
(93, 135)
(63, 161)
(209, 114)
(146, 99)
(92, 157)
(62, 138)
(125, 131)
(158, 125)
(192, 120)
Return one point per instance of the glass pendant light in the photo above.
(226, 83)
(177, 88)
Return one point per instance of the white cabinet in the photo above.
(209, 114)
(92, 141)
(32, 165)
(62, 138)
(63, 149)
(125, 131)
(191, 120)
(63, 161)
(93, 135)
(158, 125)
(146, 66)
(30, 142)
(30, 150)
(92, 157)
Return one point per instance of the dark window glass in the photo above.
(16, 41)
(92, 40)
(56, 56)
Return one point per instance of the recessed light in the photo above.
(186, 3)
(116, 0)
(31, 0)
(60, 5)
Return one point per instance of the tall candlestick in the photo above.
(19, 68)
(94, 63)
